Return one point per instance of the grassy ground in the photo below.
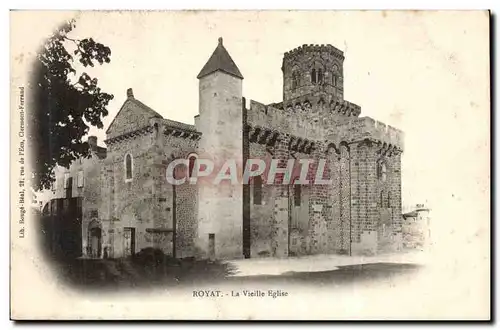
(115, 273)
(97, 274)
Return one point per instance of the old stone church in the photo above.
(133, 206)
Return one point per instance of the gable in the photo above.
(132, 116)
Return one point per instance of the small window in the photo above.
(320, 76)
(334, 81)
(66, 180)
(313, 76)
(297, 194)
(294, 81)
(257, 190)
(128, 167)
(80, 179)
(192, 161)
(382, 171)
(156, 128)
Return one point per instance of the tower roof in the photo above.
(220, 61)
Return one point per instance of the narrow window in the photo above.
(297, 194)
(257, 190)
(320, 76)
(69, 187)
(128, 167)
(384, 172)
(192, 160)
(313, 76)
(334, 81)
(294, 80)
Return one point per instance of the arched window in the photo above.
(295, 80)
(257, 190)
(320, 76)
(317, 73)
(128, 167)
(382, 171)
(192, 160)
(157, 129)
(297, 194)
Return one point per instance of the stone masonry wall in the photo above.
(280, 220)
(261, 215)
(365, 224)
(146, 203)
(318, 206)
(133, 203)
(345, 199)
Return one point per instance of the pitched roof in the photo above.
(220, 61)
(150, 112)
(179, 125)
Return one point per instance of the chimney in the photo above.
(130, 93)
(92, 141)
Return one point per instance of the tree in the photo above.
(63, 104)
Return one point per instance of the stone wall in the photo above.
(132, 203)
(186, 211)
(343, 217)
(146, 202)
(261, 214)
(361, 128)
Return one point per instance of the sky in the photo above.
(426, 74)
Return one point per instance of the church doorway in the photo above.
(129, 236)
(211, 246)
(95, 241)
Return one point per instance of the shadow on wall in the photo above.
(60, 228)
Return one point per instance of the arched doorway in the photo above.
(94, 240)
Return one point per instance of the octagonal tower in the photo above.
(312, 69)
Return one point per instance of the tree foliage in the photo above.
(63, 103)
